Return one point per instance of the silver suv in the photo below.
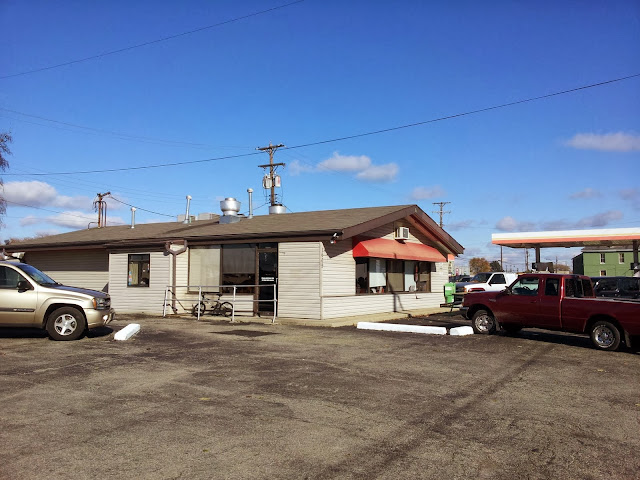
(29, 298)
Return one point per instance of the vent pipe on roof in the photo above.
(230, 208)
(187, 220)
(250, 192)
(133, 217)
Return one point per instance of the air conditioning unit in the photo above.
(402, 233)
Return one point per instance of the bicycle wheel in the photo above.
(198, 309)
(226, 309)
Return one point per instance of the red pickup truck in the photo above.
(554, 302)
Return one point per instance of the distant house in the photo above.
(613, 261)
(325, 264)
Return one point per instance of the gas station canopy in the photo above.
(572, 238)
(568, 238)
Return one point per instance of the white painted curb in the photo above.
(127, 332)
(394, 327)
(461, 331)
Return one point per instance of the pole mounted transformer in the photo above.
(271, 180)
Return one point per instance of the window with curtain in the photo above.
(381, 275)
(139, 270)
(204, 267)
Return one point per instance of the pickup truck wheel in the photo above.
(605, 335)
(483, 322)
(66, 323)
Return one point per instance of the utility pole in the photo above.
(100, 206)
(441, 212)
(272, 168)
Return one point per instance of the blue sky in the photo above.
(319, 70)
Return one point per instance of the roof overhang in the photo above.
(567, 238)
(384, 248)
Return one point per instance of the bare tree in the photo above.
(5, 139)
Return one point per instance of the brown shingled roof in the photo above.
(293, 226)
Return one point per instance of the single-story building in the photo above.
(320, 265)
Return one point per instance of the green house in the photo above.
(604, 262)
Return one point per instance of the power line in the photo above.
(151, 42)
(359, 135)
(472, 112)
(49, 210)
(143, 209)
(122, 136)
(145, 167)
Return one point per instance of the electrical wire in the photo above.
(359, 135)
(151, 42)
(143, 209)
(119, 135)
(52, 211)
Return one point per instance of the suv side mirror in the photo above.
(23, 285)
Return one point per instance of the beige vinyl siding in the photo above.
(138, 299)
(334, 307)
(388, 232)
(338, 269)
(78, 268)
(439, 278)
(338, 280)
(299, 280)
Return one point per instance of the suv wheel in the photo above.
(66, 323)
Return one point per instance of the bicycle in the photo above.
(217, 308)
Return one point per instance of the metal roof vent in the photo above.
(277, 209)
(230, 208)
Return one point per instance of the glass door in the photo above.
(267, 276)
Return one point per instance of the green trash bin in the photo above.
(449, 291)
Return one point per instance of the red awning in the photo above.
(383, 248)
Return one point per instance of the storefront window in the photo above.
(395, 276)
(204, 267)
(377, 275)
(239, 266)
(380, 275)
(139, 269)
(362, 275)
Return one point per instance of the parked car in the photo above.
(29, 298)
(555, 302)
(460, 278)
(617, 287)
(484, 282)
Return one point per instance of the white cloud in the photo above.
(74, 220)
(361, 165)
(600, 219)
(424, 193)
(586, 194)
(296, 168)
(461, 225)
(609, 142)
(379, 173)
(509, 224)
(632, 196)
(345, 163)
(41, 194)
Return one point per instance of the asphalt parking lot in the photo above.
(194, 400)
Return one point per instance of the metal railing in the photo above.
(170, 297)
